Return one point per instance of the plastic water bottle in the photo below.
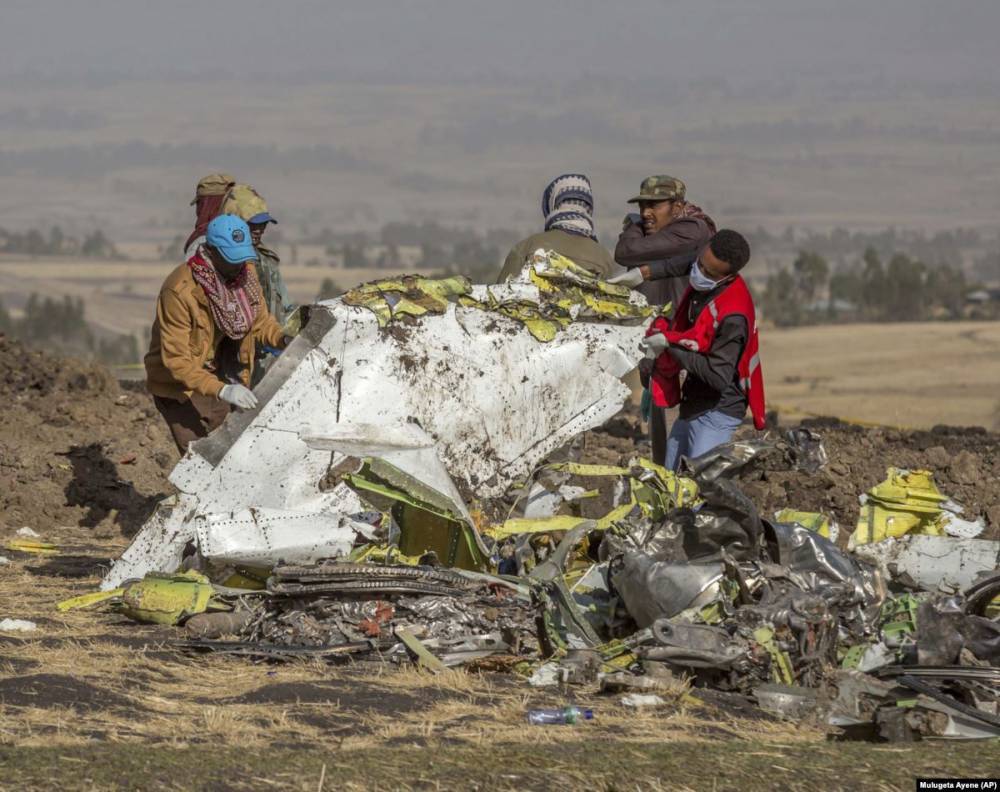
(558, 716)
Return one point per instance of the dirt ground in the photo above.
(76, 448)
(965, 463)
(91, 700)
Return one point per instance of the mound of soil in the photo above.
(965, 463)
(76, 448)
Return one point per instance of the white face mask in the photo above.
(699, 280)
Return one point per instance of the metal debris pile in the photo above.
(393, 497)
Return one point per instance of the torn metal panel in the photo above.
(404, 452)
(815, 563)
(482, 399)
(273, 651)
(264, 536)
(725, 461)
(806, 449)
(907, 502)
(932, 563)
(694, 646)
(945, 630)
(159, 545)
(983, 597)
(786, 701)
(424, 657)
(366, 579)
(817, 522)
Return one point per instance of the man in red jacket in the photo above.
(713, 337)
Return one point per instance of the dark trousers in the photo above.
(193, 419)
(658, 434)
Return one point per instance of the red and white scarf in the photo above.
(234, 303)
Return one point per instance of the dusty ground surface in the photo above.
(76, 449)
(91, 700)
(965, 463)
(907, 374)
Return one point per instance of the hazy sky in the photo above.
(444, 40)
(777, 112)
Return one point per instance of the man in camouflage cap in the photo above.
(657, 246)
(666, 227)
(660, 188)
(245, 202)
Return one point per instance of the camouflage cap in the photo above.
(660, 188)
(245, 202)
(213, 184)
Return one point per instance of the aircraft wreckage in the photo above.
(443, 393)
(396, 495)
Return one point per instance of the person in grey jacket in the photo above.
(657, 247)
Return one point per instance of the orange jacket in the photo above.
(185, 338)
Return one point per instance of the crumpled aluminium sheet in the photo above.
(816, 564)
(461, 616)
(654, 590)
(466, 401)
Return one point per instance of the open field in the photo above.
(907, 374)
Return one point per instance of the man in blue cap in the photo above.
(210, 314)
(245, 202)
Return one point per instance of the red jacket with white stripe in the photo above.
(698, 337)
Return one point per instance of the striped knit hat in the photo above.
(568, 204)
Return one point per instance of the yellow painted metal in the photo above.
(86, 600)
(812, 521)
(524, 525)
(410, 295)
(907, 502)
(167, 599)
(32, 546)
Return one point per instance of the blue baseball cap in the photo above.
(263, 217)
(231, 237)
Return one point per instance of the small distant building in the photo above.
(982, 296)
(832, 306)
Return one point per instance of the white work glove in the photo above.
(238, 396)
(654, 345)
(630, 278)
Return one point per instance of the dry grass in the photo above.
(99, 677)
(912, 375)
